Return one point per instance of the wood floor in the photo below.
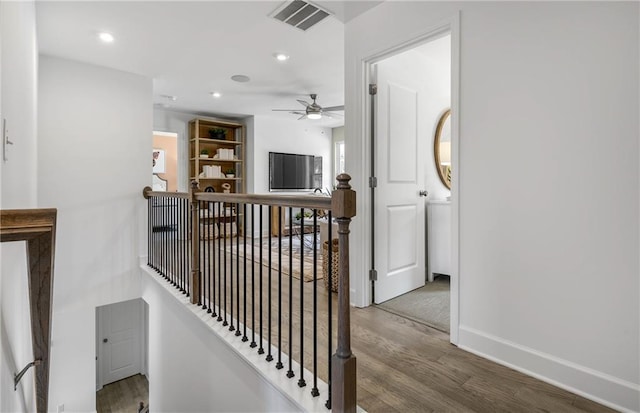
(403, 366)
(123, 396)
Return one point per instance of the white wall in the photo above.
(548, 182)
(18, 88)
(289, 136)
(95, 129)
(193, 370)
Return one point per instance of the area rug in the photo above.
(272, 250)
(427, 305)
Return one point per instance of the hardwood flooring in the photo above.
(403, 366)
(123, 395)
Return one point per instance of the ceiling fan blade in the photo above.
(284, 110)
(303, 103)
(332, 115)
(303, 117)
(333, 108)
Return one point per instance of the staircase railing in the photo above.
(264, 287)
(38, 228)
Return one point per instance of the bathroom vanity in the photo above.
(439, 238)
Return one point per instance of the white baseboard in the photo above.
(594, 385)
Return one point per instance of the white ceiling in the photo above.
(193, 48)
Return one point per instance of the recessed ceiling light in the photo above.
(281, 57)
(106, 37)
(240, 78)
(216, 94)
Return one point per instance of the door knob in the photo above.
(423, 193)
(104, 340)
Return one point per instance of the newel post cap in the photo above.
(343, 199)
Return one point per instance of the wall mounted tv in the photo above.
(291, 172)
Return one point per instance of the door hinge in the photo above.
(373, 275)
(373, 89)
(373, 182)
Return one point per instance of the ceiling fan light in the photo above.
(314, 115)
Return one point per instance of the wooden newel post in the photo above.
(195, 243)
(343, 362)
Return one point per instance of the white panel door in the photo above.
(399, 210)
(119, 342)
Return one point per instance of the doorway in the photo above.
(165, 161)
(121, 341)
(413, 89)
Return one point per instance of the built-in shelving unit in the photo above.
(223, 143)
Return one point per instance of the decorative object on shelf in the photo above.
(217, 133)
(204, 153)
(211, 171)
(223, 154)
(230, 173)
(209, 189)
(226, 188)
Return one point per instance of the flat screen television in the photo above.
(291, 172)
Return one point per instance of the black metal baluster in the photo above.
(203, 253)
(183, 235)
(177, 245)
(209, 267)
(187, 244)
(149, 229)
(231, 326)
(172, 212)
(329, 304)
(168, 234)
(260, 247)
(221, 259)
(174, 245)
(214, 223)
(253, 278)
(151, 233)
(237, 221)
(244, 240)
(269, 356)
(279, 363)
(314, 391)
(164, 240)
(301, 381)
(290, 372)
(224, 251)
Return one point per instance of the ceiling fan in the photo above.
(313, 110)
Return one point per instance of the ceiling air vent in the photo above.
(300, 14)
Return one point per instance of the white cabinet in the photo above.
(439, 238)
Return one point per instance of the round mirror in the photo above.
(442, 148)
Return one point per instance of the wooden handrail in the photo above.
(296, 201)
(38, 228)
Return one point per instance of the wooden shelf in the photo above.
(216, 141)
(218, 160)
(217, 179)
